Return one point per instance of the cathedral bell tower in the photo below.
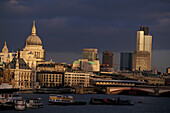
(5, 49)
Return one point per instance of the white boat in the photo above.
(20, 105)
(6, 88)
(34, 103)
(7, 100)
(63, 100)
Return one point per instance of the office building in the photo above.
(85, 65)
(50, 66)
(50, 78)
(74, 79)
(126, 61)
(107, 60)
(50, 74)
(141, 61)
(144, 45)
(90, 54)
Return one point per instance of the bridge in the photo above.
(130, 87)
(145, 91)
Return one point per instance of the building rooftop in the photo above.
(22, 64)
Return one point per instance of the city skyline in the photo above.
(78, 25)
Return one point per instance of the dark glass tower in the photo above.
(126, 61)
(108, 59)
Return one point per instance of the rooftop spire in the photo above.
(33, 28)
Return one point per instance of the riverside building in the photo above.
(24, 76)
(50, 74)
(50, 78)
(77, 79)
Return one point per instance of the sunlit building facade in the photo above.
(50, 78)
(24, 76)
(5, 55)
(33, 51)
(85, 65)
(74, 79)
(50, 74)
(144, 45)
(141, 60)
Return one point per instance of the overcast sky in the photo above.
(67, 26)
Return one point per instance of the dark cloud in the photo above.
(70, 25)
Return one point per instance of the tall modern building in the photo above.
(90, 54)
(107, 60)
(126, 61)
(144, 48)
(144, 40)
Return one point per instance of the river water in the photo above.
(148, 105)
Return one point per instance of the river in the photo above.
(148, 105)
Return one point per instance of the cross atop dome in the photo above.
(33, 28)
(33, 39)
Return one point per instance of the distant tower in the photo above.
(144, 40)
(90, 54)
(126, 61)
(5, 48)
(5, 55)
(144, 48)
(108, 59)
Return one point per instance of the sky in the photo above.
(67, 26)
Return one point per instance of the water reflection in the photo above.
(148, 105)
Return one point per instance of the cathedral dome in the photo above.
(33, 40)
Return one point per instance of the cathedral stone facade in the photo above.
(5, 55)
(22, 65)
(33, 51)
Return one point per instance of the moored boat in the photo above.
(20, 105)
(96, 101)
(34, 103)
(6, 88)
(7, 100)
(64, 100)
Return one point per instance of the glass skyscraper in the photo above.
(126, 61)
